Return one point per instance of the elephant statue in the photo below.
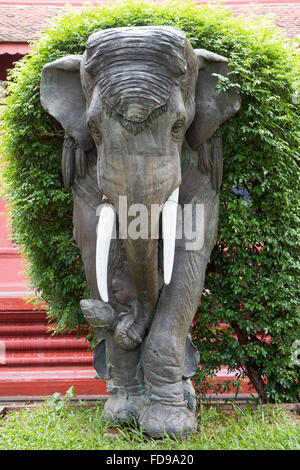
(139, 109)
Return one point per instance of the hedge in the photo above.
(252, 279)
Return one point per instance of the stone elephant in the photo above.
(140, 108)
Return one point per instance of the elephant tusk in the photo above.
(105, 230)
(169, 219)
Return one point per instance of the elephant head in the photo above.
(137, 94)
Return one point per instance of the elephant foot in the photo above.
(158, 420)
(122, 410)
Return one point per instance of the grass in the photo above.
(56, 425)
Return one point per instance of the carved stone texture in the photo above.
(140, 108)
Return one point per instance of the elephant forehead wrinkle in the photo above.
(137, 95)
(151, 62)
(135, 70)
(116, 87)
(122, 55)
(166, 41)
(138, 87)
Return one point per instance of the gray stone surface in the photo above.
(140, 108)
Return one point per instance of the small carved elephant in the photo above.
(139, 109)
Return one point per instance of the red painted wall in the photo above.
(11, 280)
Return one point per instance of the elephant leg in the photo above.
(165, 348)
(164, 352)
(126, 390)
(118, 367)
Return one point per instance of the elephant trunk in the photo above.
(142, 258)
(138, 193)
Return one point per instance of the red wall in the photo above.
(11, 280)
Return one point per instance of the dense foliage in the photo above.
(251, 283)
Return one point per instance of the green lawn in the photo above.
(57, 425)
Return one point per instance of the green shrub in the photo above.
(251, 282)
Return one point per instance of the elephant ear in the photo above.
(212, 107)
(62, 97)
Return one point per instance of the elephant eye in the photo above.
(177, 129)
